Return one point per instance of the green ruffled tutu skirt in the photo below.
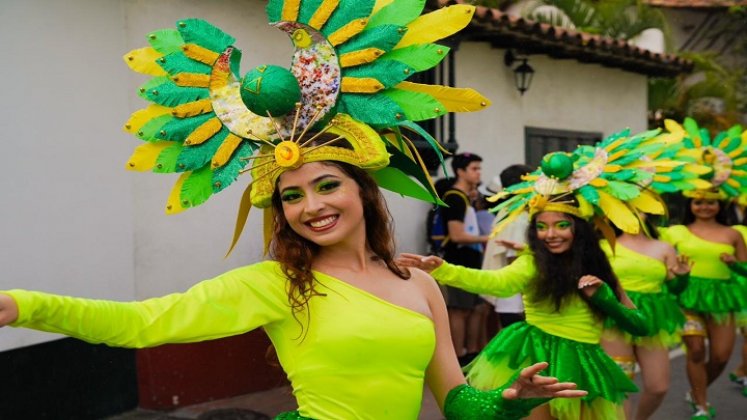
(717, 298)
(664, 319)
(586, 364)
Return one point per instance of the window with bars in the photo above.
(541, 141)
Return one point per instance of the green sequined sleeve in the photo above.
(467, 403)
(505, 282)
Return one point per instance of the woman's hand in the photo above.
(589, 284)
(424, 263)
(8, 310)
(516, 246)
(530, 384)
(728, 258)
(682, 265)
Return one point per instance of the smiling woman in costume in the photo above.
(565, 279)
(714, 293)
(357, 335)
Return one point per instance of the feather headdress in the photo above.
(609, 183)
(347, 83)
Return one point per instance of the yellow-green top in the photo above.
(705, 254)
(637, 272)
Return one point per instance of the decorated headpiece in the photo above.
(345, 98)
(725, 155)
(609, 182)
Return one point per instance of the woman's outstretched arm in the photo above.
(235, 302)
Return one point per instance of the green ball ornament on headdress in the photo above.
(270, 89)
(557, 165)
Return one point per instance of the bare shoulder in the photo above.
(665, 248)
(424, 282)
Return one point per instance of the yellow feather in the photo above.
(699, 184)
(615, 144)
(140, 117)
(733, 182)
(361, 85)
(225, 151)
(204, 132)
(191, 79)
(612, 168)
(674, 127)
(201, 54)
(598, 182)
(290, 10)
(144, 157)
(174, 202)
(436, 25)
(697, 169)
(193, 108)
(618, 213)
(647, 202)
(740, 161)
(323, 13)
(143, 61)
(356, 58)
(348, 31)
(454, 99)
(736, 152)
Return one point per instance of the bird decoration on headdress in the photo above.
(345, 97)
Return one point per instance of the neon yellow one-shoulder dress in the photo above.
(712, 289)
(567, 339)
(357, 357)
(642, 277)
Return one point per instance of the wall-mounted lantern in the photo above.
(523, 73)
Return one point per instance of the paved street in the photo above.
(724, 395)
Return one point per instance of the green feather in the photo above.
(346, 12)
(377, 109)
(622, 175)
(202, 33)
(419, 57)
(590, 194)
(227, 174)
(194, 157)
(630, 157)
(169, 94)
(705, 136)
(427, 136)
(178, 129)
(613, 137)
(734, 143)
(177, 62)
(197, 188)
(394, 180)
(398, 12)
(388, 72)
(622, 190)
(666, 187)
(418, 106)
(166, 41)
(307, 10)
(274, 10)
(734, 131)
(403, 162)
(729, 190)
(166, 161)
(384, 37)
(151, 130)
(235, 63)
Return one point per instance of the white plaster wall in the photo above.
(565, 94)
(66, 213)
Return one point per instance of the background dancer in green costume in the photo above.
(651, 274)
(713, 294)
(566, 281)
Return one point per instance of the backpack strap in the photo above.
(466, 204)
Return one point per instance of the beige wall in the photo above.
(73, 221)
